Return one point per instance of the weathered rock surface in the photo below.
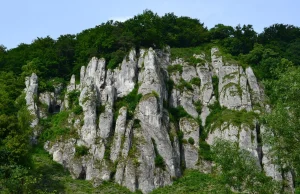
(191, 133)
(31, 92)
(145, 148)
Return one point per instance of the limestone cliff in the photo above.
(146, 144)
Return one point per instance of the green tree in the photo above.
(283, 131)
(240, 169)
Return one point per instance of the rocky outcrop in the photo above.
(233, 88)
(126, 76)
(144, 144)
(31, 95)
(191, 133)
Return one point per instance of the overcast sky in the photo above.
(22, 21)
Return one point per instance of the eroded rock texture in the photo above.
(145, 147)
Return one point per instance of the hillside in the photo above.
(119, 107)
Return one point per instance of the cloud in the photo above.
(121, 18)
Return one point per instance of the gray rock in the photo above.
(119, 134)
(106, 122)
(216, 61)
(187, 103)
(188, 73)
(190, 129)
(151, 77)
(87, 100)
(256, 95)
(126, 76)
(30, 96)
(233, 89)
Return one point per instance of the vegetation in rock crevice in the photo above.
(220, 115)
(158, 160)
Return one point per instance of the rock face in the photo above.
(31, 92)
(143, 143)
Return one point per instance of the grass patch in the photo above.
(198, 107)
(175, 68)
(219, 115)
(204, 150)
(55, 179)
(77, 110)
(159, 161)
(184, 85)
(176, 113)
(73, 98)
(194, 182)
(56, 126)
(187, 53)
(130, 101)
(196, 81)
(81, 151)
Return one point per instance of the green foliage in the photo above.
(81, 151)
(239, 169)
(130, 101)
(219, 115)
(54, 178)
(176, 113)
(196, 81)
(191, 141)
(198, 106)
(187, 53)
(182, 85)
(116, 58)
(282, 132)
(17, 179)
(158, 160)
(175, 68)
(136, 123)
(57, 126)
(193, 181)
(155, 94)
(77, 110)
(215, 82)
(73, 98)
(204, 150)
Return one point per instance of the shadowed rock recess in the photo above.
(139, 124)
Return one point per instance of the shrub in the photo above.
(55, 126)
(130, 101)
(219, 115)
(204, 150)
(198, 106)
(73, 98)
(174, 68)
(77, 110)
(215, 82)
(136, 123)
(159, 161)
(184, 84)
(176, 113)
(240, 170)
(191, 141)
(196, 81)
(81, 151)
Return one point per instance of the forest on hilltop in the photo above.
(273, 54)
